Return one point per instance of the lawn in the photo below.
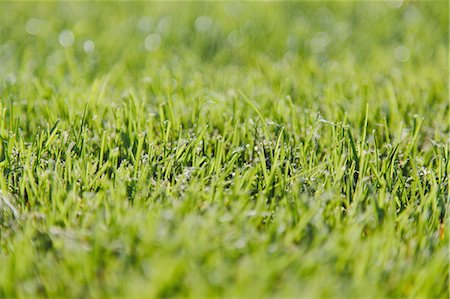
(226, 149)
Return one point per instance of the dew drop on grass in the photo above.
(152, 42)
(251, 213)
(66, 38)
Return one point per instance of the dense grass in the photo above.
(224, 150)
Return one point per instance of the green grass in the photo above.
(279, 150)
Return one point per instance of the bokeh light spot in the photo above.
(203, 23)
(33, 26)
(401, 54)
(66, 38)
(152, 42)
(88, 46)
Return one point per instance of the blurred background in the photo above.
(303, 50)
(234, 33)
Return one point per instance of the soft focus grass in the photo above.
(228, 149)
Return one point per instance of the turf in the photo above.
(236, 150)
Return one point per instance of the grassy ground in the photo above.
(224, 150)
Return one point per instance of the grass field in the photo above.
(235, 150)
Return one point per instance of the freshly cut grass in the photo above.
(237, 150)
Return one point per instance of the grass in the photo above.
(236, 150)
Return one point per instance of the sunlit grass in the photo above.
(224, 150)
